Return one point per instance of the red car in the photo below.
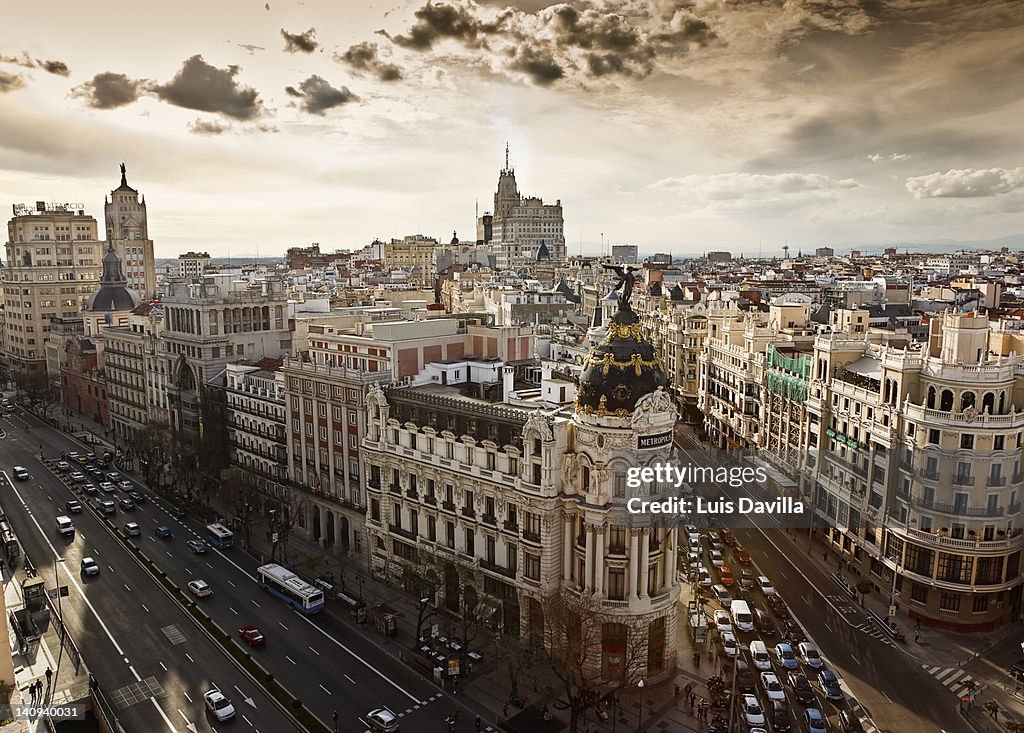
(741, 555)
(725, 576)
(252, 636)
(728, 537)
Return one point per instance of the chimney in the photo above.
(508, 380)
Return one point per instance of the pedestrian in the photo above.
(477, 722)
(49, 677)
(504, 709)
(917, 636)
(39, 689)
(688, 689)
(675, 691)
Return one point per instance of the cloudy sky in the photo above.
(682, 126)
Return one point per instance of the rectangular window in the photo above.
(432, 529)
(979, 603)
(949, 601)
(449, 531)
(933, 437)
(919, 592)
(531, 566)
(470, 543)
(998, 443)
(967, 441)
(616, 584)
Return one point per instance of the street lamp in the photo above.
(640, 720)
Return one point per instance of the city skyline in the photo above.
(686, 126)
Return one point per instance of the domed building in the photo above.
(114, 301)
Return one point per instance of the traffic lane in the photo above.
(894, 688)
(146, 646)
(389, 681)
(298, 654)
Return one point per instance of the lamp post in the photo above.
(640, 719)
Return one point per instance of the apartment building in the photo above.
(414, 254)
(254, 398)
(127, 229)
(916, 452)
(136, 372)
(523, 229)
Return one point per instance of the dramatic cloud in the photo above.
(10, 82)
(109, 90)
(537, 64)
(52, 66)
(207, 127)
(437, 21)
(365, 57)
(318, 95)
(300, 42)
(206, 88)
(967, 183)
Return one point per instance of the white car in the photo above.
(729, 646)
(765, 585)
(78, 477)
(218, 705)
(132, 529)
(692, 535)
(717, 559)
(723, 622)
(126, 485)
(809, 654)
(382, 720)
(772, 687)
(705, 580)
(199, 588)
(752, 711)
(722, 595)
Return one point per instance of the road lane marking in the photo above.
(127, 588)
(232, 584)
(190, 658)
(144, 608)
(314, 651)
(233, 610)
(289, 659)
(855, 659)
(186, 696)
(209, 566)
(350, 679)
(282, 625)
(255, 603)
(164, 667)
(325, 689)
(827, 627)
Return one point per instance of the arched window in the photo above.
(967, 400)
(1002, 403)
(988, 403)
(888, 389)
(946, 402)
(931, 398)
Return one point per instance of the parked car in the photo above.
(809, 654)
(830, 684)
(814, 720)
(90, 566)
(849, 722)
(752, 711)
(382, 720)
(252, 636)
(132, 529)
(198, 547)
(163, 532)
(782, 719)
(802, 690)
(218, 705)
(199, 588)
(772, 687)
(785, 657)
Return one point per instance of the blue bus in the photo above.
(219, 536)
(290, 588)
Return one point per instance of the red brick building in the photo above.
(83, 386)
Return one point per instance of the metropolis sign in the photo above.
(653, 441)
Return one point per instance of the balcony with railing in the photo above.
(963, 480)
(997, 481)
(495, 568)
(533, 537)
(958, 510)
(407, 534)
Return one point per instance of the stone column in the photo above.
(599, 562)
(567, 549)
(645, 561)
(670, 558)
(634, 559)
(588, 574)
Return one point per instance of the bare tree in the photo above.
(38, 391)
(515, 656)
(240, 497)
(291, 509)
(574, 624)
(153, 447)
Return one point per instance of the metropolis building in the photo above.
(493, 506)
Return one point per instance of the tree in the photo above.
(240, 497)
(574, 625)
(282, 521)
(185, 468)
(37, 390)
(864, 587)
(153, 447)
(515, 657)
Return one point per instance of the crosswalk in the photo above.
(952, 678)
(436, 696)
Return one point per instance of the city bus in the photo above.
(12, 550)
(290, 588)
(219, 536)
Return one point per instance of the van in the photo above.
(64, 526)
(742, 619)
(759, 653)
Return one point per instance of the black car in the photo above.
(138, 497)
(793, 632)
(763, 623)
(744, 677)
(74, 506)
(780, 716)
(802, 689)
(849, 723)
(778, 606)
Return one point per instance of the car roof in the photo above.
(383, 714)
(814, 714)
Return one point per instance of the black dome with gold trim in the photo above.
(620, 370)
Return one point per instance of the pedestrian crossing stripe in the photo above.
(952, 678)
(873, 631)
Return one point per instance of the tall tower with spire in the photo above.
(523, 228)
(128, 232)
